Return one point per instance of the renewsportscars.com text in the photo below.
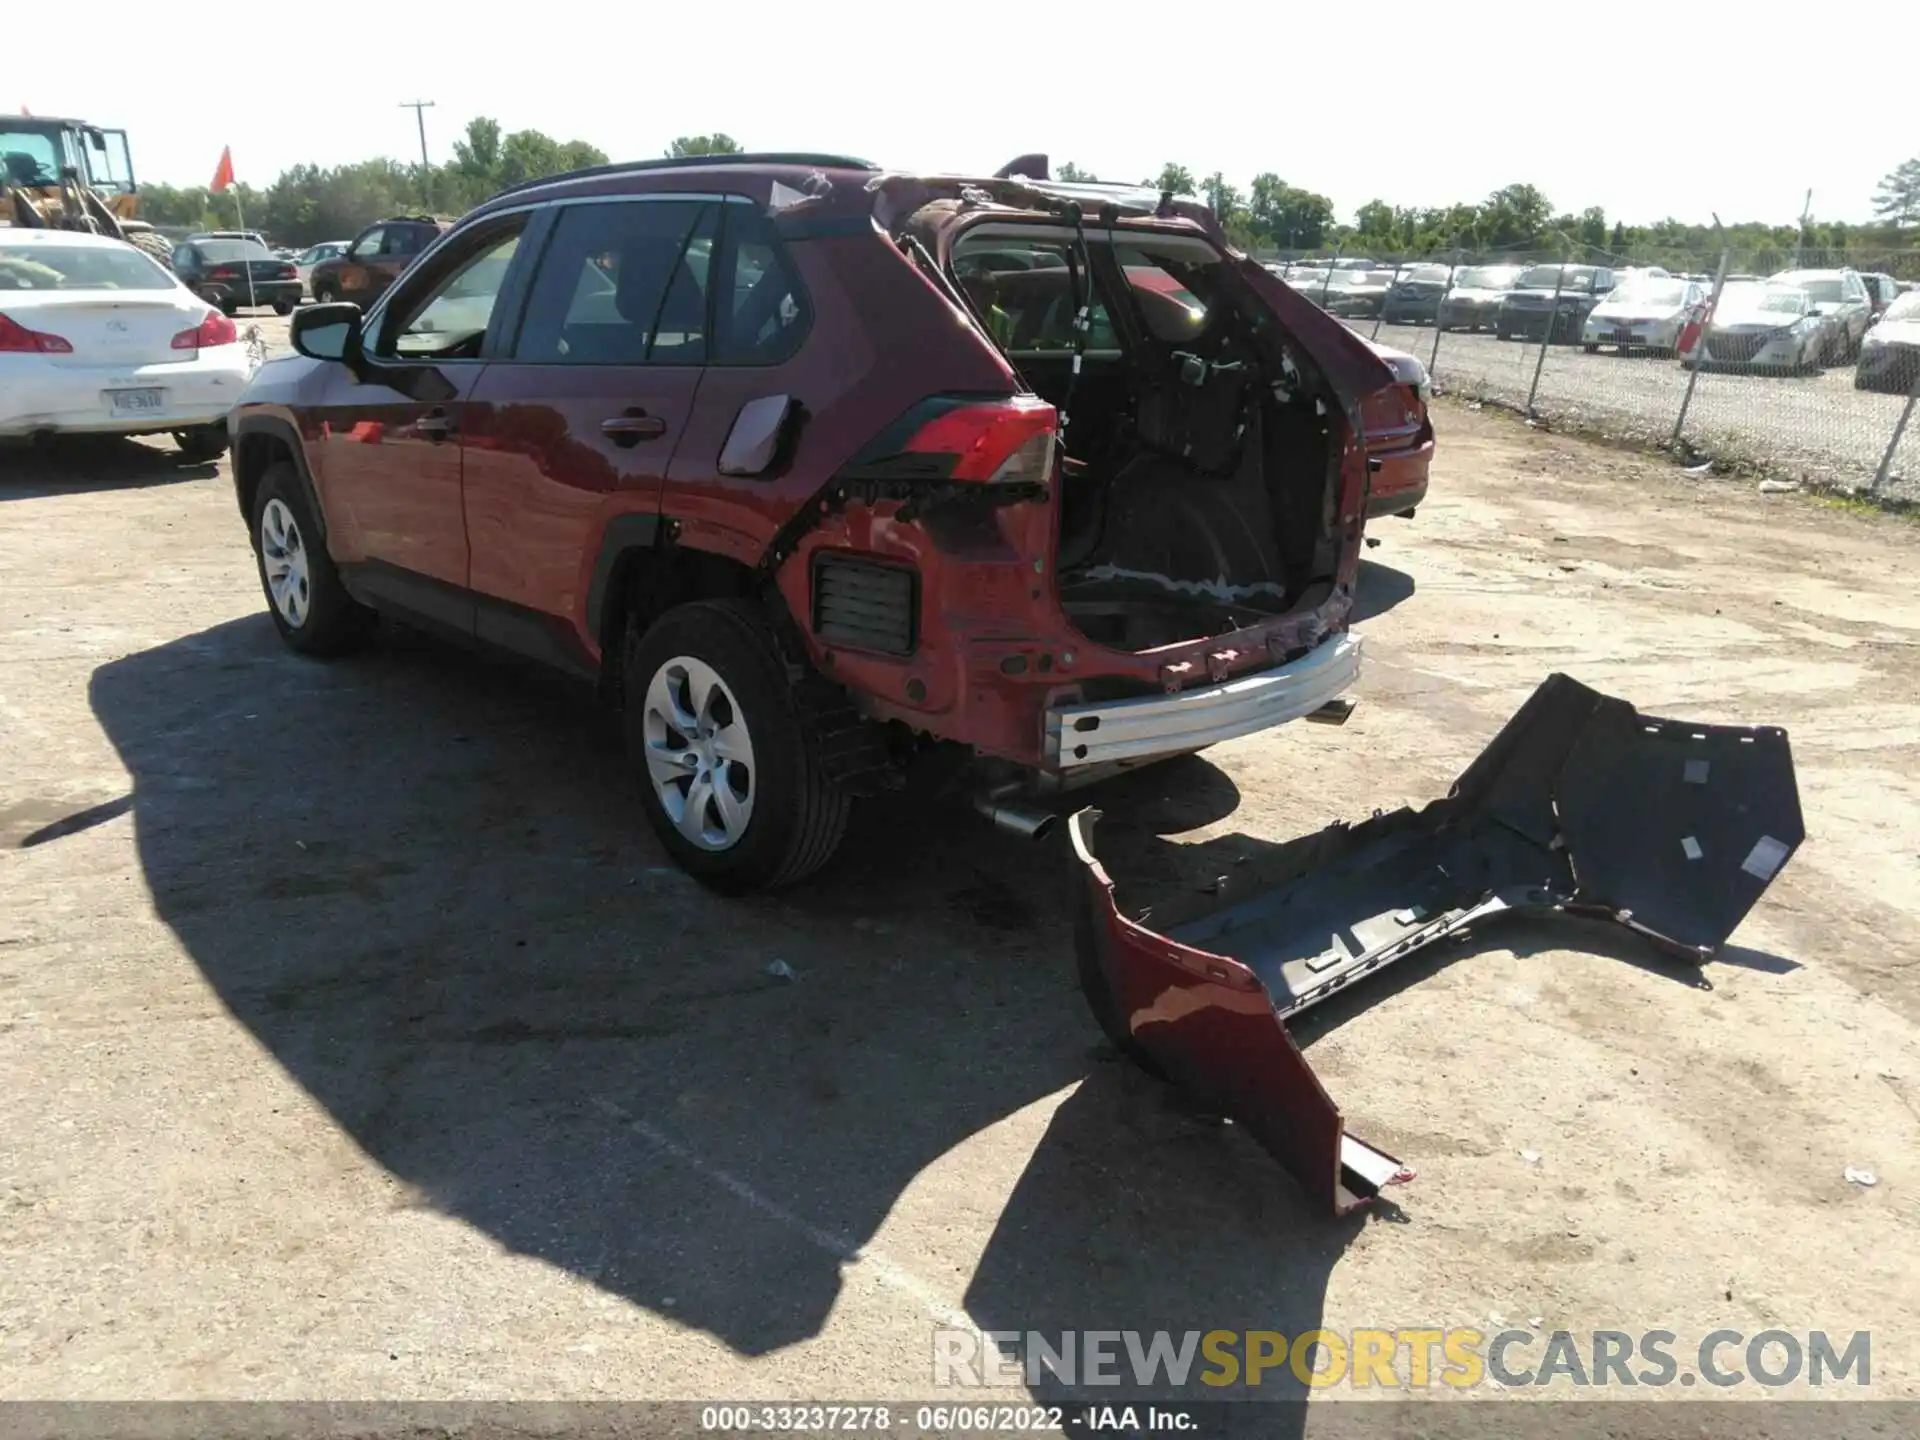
(1409, 1359)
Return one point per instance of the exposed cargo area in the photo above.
(1199, 469)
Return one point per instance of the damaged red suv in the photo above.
(826, 474)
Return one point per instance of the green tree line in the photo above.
(1272, 216)
(310, 203)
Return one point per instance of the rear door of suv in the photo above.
(574, 425)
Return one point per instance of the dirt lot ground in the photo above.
(357, 1041)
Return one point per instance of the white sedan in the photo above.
(97, 338)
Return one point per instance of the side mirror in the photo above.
(328, 332)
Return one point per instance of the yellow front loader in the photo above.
(70, 175)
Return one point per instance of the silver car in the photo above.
(1643, 313)
(1764, 327)
(1839, 295)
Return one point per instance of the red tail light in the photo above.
(287, 272)
(216, 329)
(1002, 441)
(16, 339)
(223, 272)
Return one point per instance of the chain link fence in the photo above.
(1798, 367)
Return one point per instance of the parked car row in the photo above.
(237, 269)
(1792, 323)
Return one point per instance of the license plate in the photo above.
(135, 402)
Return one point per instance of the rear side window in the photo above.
(403, 240)
(623, 284)
(762, 313)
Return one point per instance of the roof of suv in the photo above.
(701, 162)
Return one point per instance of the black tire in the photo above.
(799, 815)
(333, 622)
(1595, 349)
(229, 308)
(202, 443)
(155, 244)
(284, 307)
(324, 294)
(1501, 332)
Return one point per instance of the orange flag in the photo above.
(223, 177)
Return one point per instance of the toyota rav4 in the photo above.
(826, 475)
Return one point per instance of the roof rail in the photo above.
(688, 162)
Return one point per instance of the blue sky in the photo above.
(1382, 100)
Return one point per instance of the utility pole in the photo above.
(1806, 214)
(420, 108)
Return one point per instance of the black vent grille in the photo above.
(864, 606)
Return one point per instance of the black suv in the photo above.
(375, 259)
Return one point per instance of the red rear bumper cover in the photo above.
(1580, 805)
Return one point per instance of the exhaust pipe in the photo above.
(1021, 820)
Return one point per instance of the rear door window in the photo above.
(623, 283)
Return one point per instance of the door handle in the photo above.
(633, 427)
(435, 427)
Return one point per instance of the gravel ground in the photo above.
(1816, 427)
(358, 1042)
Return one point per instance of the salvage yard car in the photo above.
(1415, 295)
(233, 272)
(1473, 302)
(1841, 297)
(1644, 314)
(776, 451)
(97, 338)
(377, 257)
(1551, 302)
(1764, 327)
(1890, 355)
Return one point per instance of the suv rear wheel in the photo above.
(734, 784)
(309, 605)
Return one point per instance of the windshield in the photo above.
(1425, 275)
(79, 267)
(28, 158)
(1907, 307)
(218, 250)
(1546, 277)
(1822, 292)
(1650, 292)
(1488, 277)
(1768, 299)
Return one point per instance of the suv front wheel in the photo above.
(309, 605)
(733, 783)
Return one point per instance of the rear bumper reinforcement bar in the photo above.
(1174, 724)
